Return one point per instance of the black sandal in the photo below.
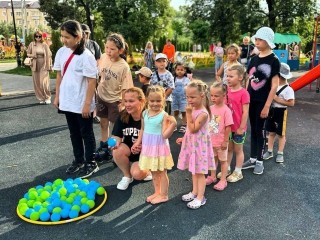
(183, 129)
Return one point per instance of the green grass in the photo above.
(26, 71)
(8, 60)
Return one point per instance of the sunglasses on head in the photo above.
(37, 36)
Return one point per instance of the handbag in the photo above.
(27, 61)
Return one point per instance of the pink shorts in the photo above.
(221, 154)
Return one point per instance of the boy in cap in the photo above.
(277, 121)
(144, 77)
(263, 72)
(161, 76)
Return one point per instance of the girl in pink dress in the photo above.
(156, 127)
(196, 151)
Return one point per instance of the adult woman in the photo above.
(41, 65)
(148, 55)
(246, 50)
(126, 131)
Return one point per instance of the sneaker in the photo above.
(258, 169)
(219, 174)
(47, 102)
(183, 129)
(42, 102)
(124, 183)
(74, 167)
(96, 120)
(235, 177)
(148, 177)
(267, 155)
(103, 153)
(248, 164)
(279, 158)
(89, 169)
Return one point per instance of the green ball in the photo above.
(82, 194)
(56, 210)
(70, 200)
(85, 180)
(35, 216)
(45, 204)
(32, 190)
(63, 191)
(63, 198)
(83, 200)
(44, 195)
(90, 203)
(77, 191)
(23, 200)
(76, 207)
(40, 190)
(30, 203)
(36, 203)
(33, 195)
(58, 182)
(48, 188)
(23, 209)
(72, 195)
(42, 210)
(23, 204)
(100, 191)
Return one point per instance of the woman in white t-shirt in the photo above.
(75, 85)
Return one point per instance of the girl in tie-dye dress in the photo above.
(156, 127)
(196, 150)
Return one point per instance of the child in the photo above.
(233, 53)
(196, 151)
(144, 77)
(238, 100)
(179, 101)
(161, 76)
(115, 78)
(263, 82)
(156, 127)
(220, 128)
(75, 85)
(218, 51)
(276, 123)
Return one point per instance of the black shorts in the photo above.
(134, 157)
(277, 121)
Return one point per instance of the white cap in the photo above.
(265, 33)
(144, 71)
(161, 55)
(285, 71)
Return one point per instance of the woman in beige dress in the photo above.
(41, 65)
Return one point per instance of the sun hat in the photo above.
(161, 55)
(265, 33)
(145, 72)
(85, 28)
(285, 71)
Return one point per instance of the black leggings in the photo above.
(257, 123)
(82, 136)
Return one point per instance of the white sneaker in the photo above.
(48, 101)
(124, 183)
(148, 177)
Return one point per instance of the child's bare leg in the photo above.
(271, 138)
(164, 188)
(230, 152)
(238, 149)
(282, 143)
(176, 115)
(214, 172)
(224, 170)
(156, 185)
(201, 185)
(194, 184)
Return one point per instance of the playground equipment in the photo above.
(305, 79)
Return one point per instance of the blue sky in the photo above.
(177, 3)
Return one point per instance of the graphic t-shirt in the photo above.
(129, 132)
(245, 49)
(261, 70)
(115, 77)
(286, 94)
(166, 81)
(221, 118)
(236, 99)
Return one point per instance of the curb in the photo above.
(4, 94)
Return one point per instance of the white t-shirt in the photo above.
(74, 84)
(285, 94)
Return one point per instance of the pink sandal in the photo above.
(210, 180)
(220, 186)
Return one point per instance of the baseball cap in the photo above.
(265, 33)
(161, 55)
(85, 28)
(144, 71)
(285, 71)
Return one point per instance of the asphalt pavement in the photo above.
(283, 203)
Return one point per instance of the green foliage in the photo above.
(56, 43)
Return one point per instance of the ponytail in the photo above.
(74, 28)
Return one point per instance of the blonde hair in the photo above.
(202, 88)
(124, 115)
(158, 90)
(235, 48)
(220, 86)
(241, 70)
(148, 44)
(246, 38)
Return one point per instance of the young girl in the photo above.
(179, 101)
(196, 151)
(115, 78)
(219, 128)
(233, 53)
(149, 55)
(238, 101)
(156, 127)
(263, 81)
(75, 86)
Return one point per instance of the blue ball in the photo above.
(84, 208)
(28, 212)
(26, 195)
(73, 214)
(64, 213)
(50, 208)
(48, 184)
(55, 195)
(112, 142)
(56, 203)
(55, 217)
(37, 207)
(45, 216)
(39, 187)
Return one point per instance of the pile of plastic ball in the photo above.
(60, 200)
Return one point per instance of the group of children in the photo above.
(213, 131)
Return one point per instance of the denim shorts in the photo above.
(178, 104)
(238, 139)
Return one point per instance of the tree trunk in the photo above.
(271, 15)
